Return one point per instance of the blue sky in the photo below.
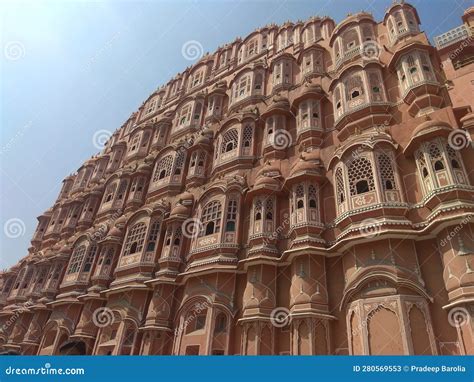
(72, 68)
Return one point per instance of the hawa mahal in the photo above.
(304, 190)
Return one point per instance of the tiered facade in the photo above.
(305, 190)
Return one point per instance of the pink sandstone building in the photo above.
(305, 190)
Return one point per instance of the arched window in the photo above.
(136, 189)
(184, 116)
(192, 162)
(258, 209)
(309, 114)
(399, 21)
(313, 197)
(270, 127)
(242, 88)
(436, 157)
(299, 196)
(76, 259)
(350, 39)
(354, 87)
(387, 175)
(163, 168)
(453, 157)
(196, 164)
(179, 161)
(269, 209)
(134, 142)
(221, 323)
(211, 217)
(362, 186)
(135, 239)
(231, 215)
(229, 140)
(153, 236)
(122, 189)
(90, 259)
(177, 236)
(339, 186)
(361, 178)
(247, 139)
(258, 83)
(168, 235)
(375, 84)
(197, 78)
(109, 192)
(338, 101)
(150, 106)
(109, 257)
(252, 47)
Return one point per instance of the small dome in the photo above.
(180, 210)
(115, 232)
(144, 167)
(468, 11)
(186, 196)
(426, 131)
(308, 162)
(269, 169)
(468, 120)
(267, 177)
(428, 125)
(278, 103)
(121, 220)
(267, 182)
(202, 140)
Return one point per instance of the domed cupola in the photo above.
(182, 208)
(308, 165)
(402, 21)
(268, 180)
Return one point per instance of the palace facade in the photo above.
(305, 190)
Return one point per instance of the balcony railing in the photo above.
(356, 106)
(452, 36)
(350, 54)
(402, 32)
